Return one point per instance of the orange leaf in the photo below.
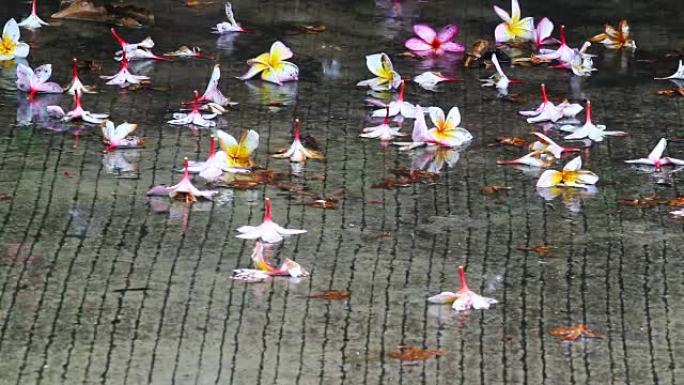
(410, 353)
(572, 333)
(330, 295)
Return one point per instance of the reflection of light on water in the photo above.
(122, 163)
(273, 94)
(331, 68)
(433, 159)
(570, 196)
(34, 110)
(226, 41)
(142, 67)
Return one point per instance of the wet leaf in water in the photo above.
(674, 92)
(405, 177)
(641, 202)
(122, 15)
(330, 295)
(542, 250)
(5, 197)
(495, 190)
(572, 333)
(510, 141)
(323, 203)
(318, 28)
(678, 201)
(410, 353)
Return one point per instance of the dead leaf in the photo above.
(324, 203)
(330, 295)
(5, 197)
(122, 15)
(678, 201)
(542, 250)
(674, 92)
(318, 28)
(495, 190)
(572, 333)
(510, 141)
(405, 177)
(642, 202)
(410, 353)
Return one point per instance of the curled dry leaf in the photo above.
(480, 47)
(510, 141)
(410, 353)
(543, 250)
(495, 190)
(572, 333)
(122, 15)
(330, 295)
(678, 201)
(641, 202)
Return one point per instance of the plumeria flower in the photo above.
(297, 152)
(215, 165)
(446, 132)
(135, 51)
(76, 86)
(582, 64)
(542, 34)
(228, 26)
(572, 175)
(537, 159)
(656, 158)
(545, 144)
(547, 111)
(239, 153)
(194, 116)
(184, 190)
(33, 21)
(185, 51)
(10, 46)
(564, 53)
(213, 93)
(36, 81)
(615, 38)
(264, 270)
(384, 132)
(464, 298)
(124, 77)
(677, 213)
(397, 107)
(499, 80)
(77, 113)
(679, 74)
(428, 80)
(386, 79)
(272, 65)
(267, 231)
(430, 42)
(118, 136)
(595, 132)
(513, 27)
(420, 136)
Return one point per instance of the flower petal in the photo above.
(280, 52)
(444, 297)
(658, 150)
(549, 178)
(447, 33)
(573, 165)
(502, 14)
(43, 72)
(437, 116)
(416, 44)
(254, 70)
(453, 47)
(425, 32)
(22, 50)
(543, 30)
(11, 31)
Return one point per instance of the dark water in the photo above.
(99, 287)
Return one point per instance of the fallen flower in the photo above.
(499, 80)
(428, 80)
(513, 27)
(297, 152)
(386, 79)
(542, 33)
(446, 132)
(563, 53)
(118, 136)
(272, 65)
(397, 107)
(77, 113)
(76, 86)
(615, 38)
(195, 117)
(572, 333)
(537, 159)
(10, 46)
(464, 298)
(36, 81)
(384, 131)
(582, 63)
(677, 214)
(545, 144)
(420, 136)
(238, 153)
(267, 231)
(656, 158)
(330, 295)
(135, 51)
(213, 92)
(679, 73)
(184, 190)
(32, 21)
(547, 111)
(228, 26)
(595, 132)
(264, 270)
(215, 165)
(410, 353)
(124, 77)
(572, 175)
(430, 42)
(185, 51)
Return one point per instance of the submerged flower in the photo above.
(615, 38)
(545, 144)
(194, 116)
(228, 26)
(33, 21)
(595, 132)
(428, 80)
(76, 86)
(135, 51)
(679, 74)
(397, 107)
(213, 93)
(464, 298)
(215, 165)
(267, 231)
(386, 79)
(184, 190)
(542, 33)
(118, 136)
(656, 158)
(239, 153)
(264, 270)
(10, 46)
(297, 152)
(513, 27)
(36, 81)
(124, 77)
(572, 175)
(77, 113)
(446, 132)
(384, 132)
(272, 65)
(431, 42)
(547, 111)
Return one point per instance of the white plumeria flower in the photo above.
(464, 298)
(446, 132)
(267, 231)
(595, 132)
(384, 132)
(386, 79)
(572, 175)
(297, 152)
(499, 79)
(264, 270)
(546, 111)
(36, 81)
(513, 27)
(542, 33)
(194, 116)
(119, 136)
(76, 86)
(213, 93)
(33, 21)
(677, 213)
(239, 152)
(537, 159)
(429, 80)
(397, 107)
(582, 64)
(545, 144)
(679, 74)
(569, 109)
(563, 53)
(135, 51)
(228, 26)
(215, 165)
(273, 66)
(420, 136)
(184, 190)
(186, 52)
(77, 113)
(10, 46)
(656, 158)
(124, 77)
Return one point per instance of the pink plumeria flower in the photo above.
(572, 175)
(187, 52)
(595, 132)
(679, 74)
(264, 270)
(563, 54)
(464, 298)
(273, 66)
(397, 107)
(536, 159)
(10, 46)
(429, 80)
(297, 152)
(230, 25)
(387, 79)
(77, 113)
(545, 144)
(213, 93)
(384, 131)
(215, 165)
(76, 86)
(36, 81)
(119, 136)
(124, 77)
(194, 116)
(656, 158)
(446, 132)
(542, 33)
(135, 51)
(513, 27)
(33, 21)
(430, 42)
(267, 231)
(548, 112)
(184, 190)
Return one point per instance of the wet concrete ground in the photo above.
(100, 287)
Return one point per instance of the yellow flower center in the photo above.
(7, 46)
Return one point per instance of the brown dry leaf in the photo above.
(410, 353)
(122, 15)
(675, 92)
(542, 250)
(323, 203)
(480, 47)
(330, 295)
(510, 141)
(572, 333)
(493, 189)
(405, 177)
(294, 188)
(641, 202)
(318, 28)
(678, 201)
(251, 180)
(5, 197)
(515, 98)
